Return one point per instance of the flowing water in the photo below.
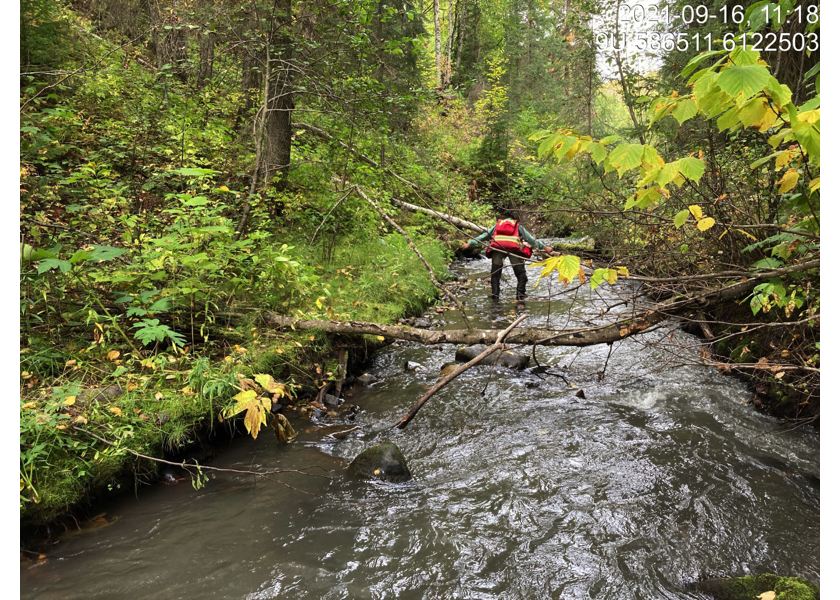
(659, 476)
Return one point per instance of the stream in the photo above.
(660, 475)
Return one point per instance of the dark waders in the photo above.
(517, 262)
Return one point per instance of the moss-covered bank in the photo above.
(757, 586)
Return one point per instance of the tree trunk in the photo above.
(455, 221)
(252, 84)
(205, 59)
(461, 25)
(278, 131)
(437, 43)
(170, 44)
(447, 69)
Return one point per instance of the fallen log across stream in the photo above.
(623, 326)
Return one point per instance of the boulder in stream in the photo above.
(505, 358)
(384, 462)
(366, 379)
(756, 586)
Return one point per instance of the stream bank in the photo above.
(660, 475)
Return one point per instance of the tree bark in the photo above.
(251, 83)
(170, 44)
(437, 43)
(447, 69)
(461, 24)
(455, 221)
(205, 58)
(278, 127)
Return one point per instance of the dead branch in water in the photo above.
(499, 343)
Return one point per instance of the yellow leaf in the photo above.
(623, 271)
(271, 386)
(80, 419)
(188, 391)
(814, 185)
(70, 363)
(113, 355)
(788, 181)
(696, 211)
(69, 400)
(311, 338)
(581, 275)
(28, 405)
(61, 426)
(749, 235)
(318, 302)
(770, 117)
(784, 159)
(376, 471)
(116, 410)
(159, 396)
(223, 188)
(704, 224)
(254, 419)
(244, 400)
(611, 276)
(380, 338)
(279, 350)
(809, 116)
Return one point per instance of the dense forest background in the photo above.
(187, 167)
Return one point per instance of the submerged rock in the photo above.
(384, 462)
(506, 358)
(754, 586)
(413, 366)
(366, 379)
(469, 253)
(448, 369)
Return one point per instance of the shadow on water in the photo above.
(658, 476)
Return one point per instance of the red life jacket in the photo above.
(506, 237)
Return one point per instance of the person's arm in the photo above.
(535, 243)
(481, 238)
(525, 235)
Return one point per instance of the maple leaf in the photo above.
(255, 408)
(271, 386)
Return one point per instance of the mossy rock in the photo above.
(753, 586)
(384, 462)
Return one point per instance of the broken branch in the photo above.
(443, 382)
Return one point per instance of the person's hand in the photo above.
(464, 246)
(549, 249)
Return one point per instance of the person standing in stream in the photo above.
(508, 239)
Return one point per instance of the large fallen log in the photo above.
(448, 218)
(622, 327)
